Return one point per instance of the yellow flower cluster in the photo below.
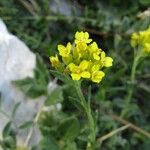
(141, 39)
(82, 59)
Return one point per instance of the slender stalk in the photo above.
(109, 135)
(133, 126)
(132, 80)
(87, 111)
(32, 129)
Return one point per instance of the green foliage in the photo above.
(36, 86)
(69, 129)
(110, 23)
(54, 97)
(9, 137)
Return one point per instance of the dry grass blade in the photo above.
(101, 139)
(29, 7)
(138, 129)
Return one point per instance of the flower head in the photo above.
(141, 39)
(79, 71)
(64, 51)
(83, 59)
(54, 61)
(82, 37)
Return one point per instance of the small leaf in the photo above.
(55, 96)
(71, 146)
(76, 103)
(26, 125)
(61, 76)
(48, 143)
(30, 87)
(69, 129)
(15, 109)
(7, 129)
(41, 73)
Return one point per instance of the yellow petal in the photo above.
(84, 65)
(134, 39)
(81, 46)
(54, 61)
(62, 50)
(75, 76)
(103, 55)
(86, 35)
(77, 35)
(95, 68)
(96, 57)
(97, 76)
(72, 67)
(147, 47)
(108, 62)
(85, 74)
(69, 46)
(94, 46)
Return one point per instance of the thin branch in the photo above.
(101, 139)
(32, 129)
(28, 6)
(134, 127)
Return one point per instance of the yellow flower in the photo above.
(97, 76)
(82, 60)
(82, 37)
(65, 51)
(147, 47)
(79, 71)
(141, 39)
(106, 61)
(54, 61)
(134, 39)
(94, 51)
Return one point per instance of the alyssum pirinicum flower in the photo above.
(82, 59)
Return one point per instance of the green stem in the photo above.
(88, 112)
(132, 79)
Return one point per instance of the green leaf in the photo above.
(69, 128)
(15, 109)
(30, 87)
(49, 143)
(40, 72)
(76, 103)
(26, 125)
(54, 97)
(60, 76)
(71, 146)
(7, 129)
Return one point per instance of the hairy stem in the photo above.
(88, 112)
(131, 87)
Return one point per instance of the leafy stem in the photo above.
(88, 112)
(130, 88)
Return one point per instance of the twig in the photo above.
(28, 6)
(36, 119)
(101, 139)
(138, 129)
(32, 129)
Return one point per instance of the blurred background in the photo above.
(42, 24)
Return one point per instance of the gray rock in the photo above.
(16, 62)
